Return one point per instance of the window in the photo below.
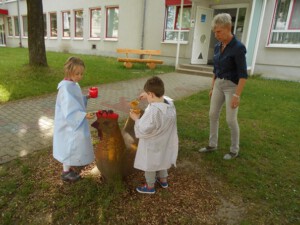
(45, 25)
(10, 27)
(16, 22)
(66, 20)
(78, 23)
(53, 25)
(2, 29)
(285, 31)
(95, 20)
(172, 26)
(25, 26)
(112, 22)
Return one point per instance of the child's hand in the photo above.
(90, 116)
(143, 96)
(134, 115)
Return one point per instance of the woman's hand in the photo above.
(235, 101)
(210, 93)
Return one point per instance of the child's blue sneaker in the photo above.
(162, 184)
(145, 189)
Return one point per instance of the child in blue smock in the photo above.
(72, 145)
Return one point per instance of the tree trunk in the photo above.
(36, 37)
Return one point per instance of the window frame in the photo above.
(287, 27)
(63, 24)
(175, 22)
(106, 23)
(91, 24)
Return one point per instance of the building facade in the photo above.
(270, 29)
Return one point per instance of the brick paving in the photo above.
(27, 125)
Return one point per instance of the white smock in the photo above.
(71, 137)
(158, 138)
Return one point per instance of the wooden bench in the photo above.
(151, 63)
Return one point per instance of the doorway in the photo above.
(238, 14)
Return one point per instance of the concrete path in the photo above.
(27, 125)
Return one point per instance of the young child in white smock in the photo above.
(157, 132)
(72, 145)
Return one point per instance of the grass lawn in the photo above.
(18, 80)
(261, 186)
(266, 174)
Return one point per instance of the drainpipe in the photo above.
(143, 26)
(179, 34)
(19, 21)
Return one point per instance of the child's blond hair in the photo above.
(71, 64)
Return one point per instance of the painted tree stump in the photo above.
(115, 151)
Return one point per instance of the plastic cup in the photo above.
(93, 92)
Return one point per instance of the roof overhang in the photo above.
(3, 12)
(178, 2)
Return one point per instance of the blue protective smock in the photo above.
(72, 143)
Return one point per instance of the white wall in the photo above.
(130, 25)
(276, 62)
(130, 28)
(286, 61)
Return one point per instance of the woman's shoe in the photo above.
(207, 149)
(230, 155)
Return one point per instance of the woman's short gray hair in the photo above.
(222, 19)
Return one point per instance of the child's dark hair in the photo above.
(155, 85)
(71, 64)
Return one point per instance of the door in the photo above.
(202, 32)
